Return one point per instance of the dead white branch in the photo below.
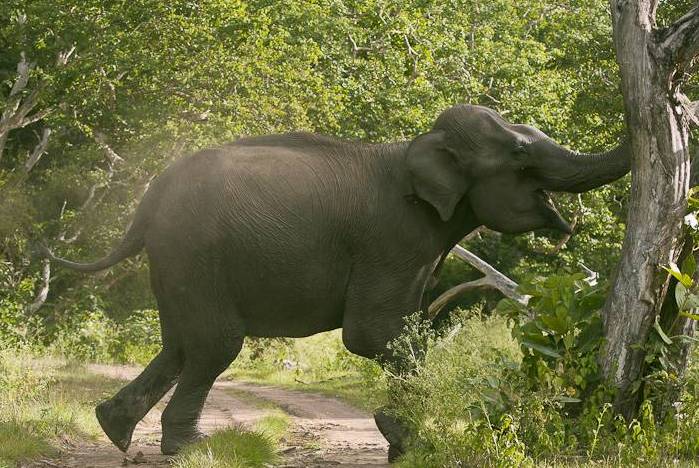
(112, 155)
(43, 291)
(38, 151)
(693, 112)
(22, 101)
(492, 279)
(63, 56)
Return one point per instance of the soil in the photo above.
(325, 431)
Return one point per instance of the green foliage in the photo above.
(93, 337)
(44, 403)
(156, 80)
(84, 334)
(450, 396)
(318, 363)
(480, 398)
(560, 332)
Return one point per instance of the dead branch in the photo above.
(112, 155)
(355, 48)
(43, 291)
(492, 279)
(680, 40)
(38, 151)
(414, 56)
(63, 56)
(19, 105)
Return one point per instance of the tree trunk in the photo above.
(658, 130)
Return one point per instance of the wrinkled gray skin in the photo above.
(291, 235)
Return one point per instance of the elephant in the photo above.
(293, 234)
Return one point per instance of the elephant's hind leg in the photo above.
(211, 336)
(119, 415)
(203, 363)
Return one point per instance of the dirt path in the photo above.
(325, 432)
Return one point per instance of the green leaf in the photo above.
(681, 295)
(688, 315)
(660, 331)
(689, 265)
(683, 278)
(545, 350)
(686, 300)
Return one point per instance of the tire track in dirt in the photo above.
(325, 432)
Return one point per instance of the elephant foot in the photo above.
(394, 453)
(395, 432)
(116, 423)
(173, 442)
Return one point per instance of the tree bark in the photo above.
(658, 129)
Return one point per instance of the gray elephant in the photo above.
(291, 235)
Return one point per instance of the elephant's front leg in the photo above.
(376, 308)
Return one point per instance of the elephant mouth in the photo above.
(554, 218)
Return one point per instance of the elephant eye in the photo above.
(520, 152)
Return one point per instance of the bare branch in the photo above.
(39, 150)
(681, 39)
(17, 107)
(23, 69)
(485, 268)
(492, 279)
(43, 292)
(415, 57)
(35, 117)
(112, 155)
(63, 56)
(356, 49)
(15, 98)
(455, 292)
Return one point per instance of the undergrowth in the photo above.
(318, 363)
(522, 388)
(44, 404)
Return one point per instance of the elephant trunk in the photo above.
(561, 170)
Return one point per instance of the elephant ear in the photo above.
(435, 173)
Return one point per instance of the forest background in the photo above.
(115, 91)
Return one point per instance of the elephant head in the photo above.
(503, 169)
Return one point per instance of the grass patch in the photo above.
(43, 402)
(274, 426)
(237, 447)
(318, 364)
(18, 442)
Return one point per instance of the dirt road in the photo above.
(325, 432)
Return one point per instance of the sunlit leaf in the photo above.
(545, 350)
(691, 316)
(660, 331)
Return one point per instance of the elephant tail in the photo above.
(130, 245)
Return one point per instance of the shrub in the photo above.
(94, 337)
(448, 397)
(522, 387)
